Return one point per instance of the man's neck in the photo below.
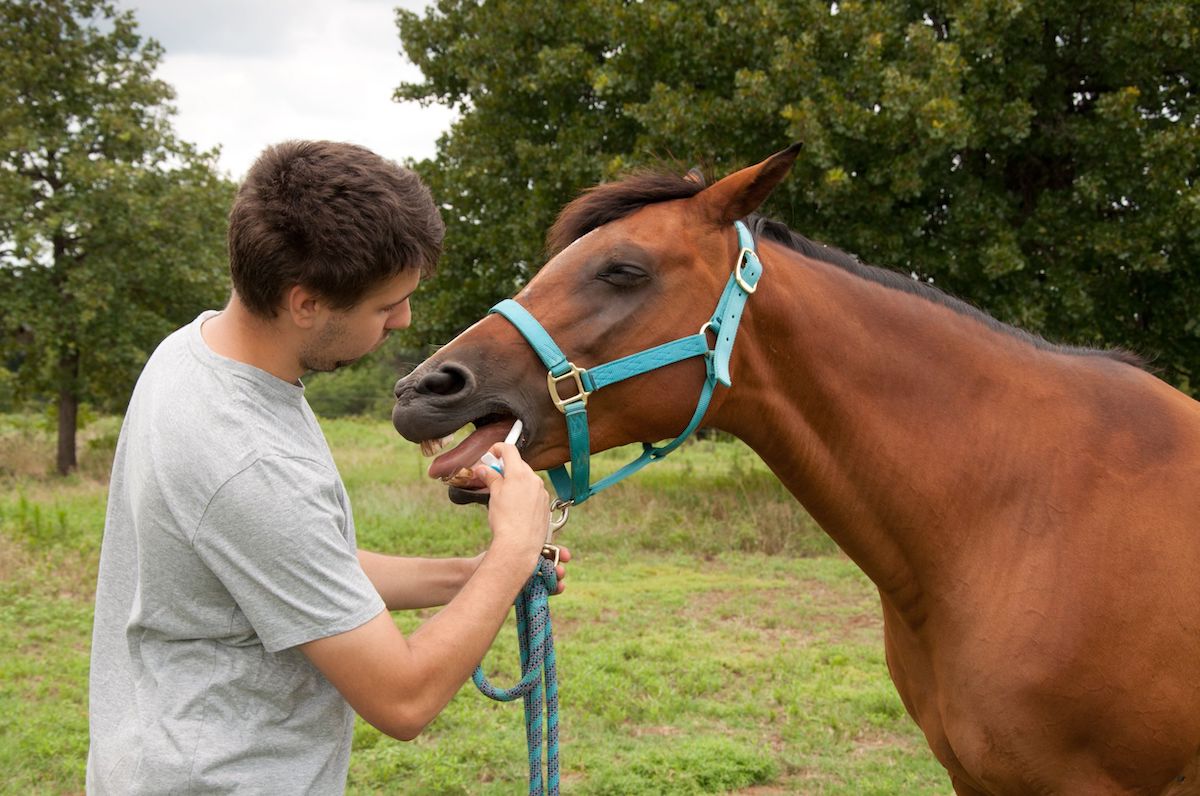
(239, 335)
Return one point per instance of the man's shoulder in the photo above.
(194, 423)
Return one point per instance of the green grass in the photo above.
(712, 640)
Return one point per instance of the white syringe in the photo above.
(490, 460)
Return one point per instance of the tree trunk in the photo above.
(68, 410)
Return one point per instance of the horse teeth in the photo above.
(460, 478)
(432, 447)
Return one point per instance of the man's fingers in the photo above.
(507, 454)
(486, 474)
(564, 555)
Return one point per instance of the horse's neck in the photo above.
(875, 408)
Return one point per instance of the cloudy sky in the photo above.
(248, 73)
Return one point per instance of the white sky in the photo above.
(248, 73)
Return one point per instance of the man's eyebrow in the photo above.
(406, 297)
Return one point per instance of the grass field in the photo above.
(712, 640)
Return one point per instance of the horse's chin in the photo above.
(465, 497)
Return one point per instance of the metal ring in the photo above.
(704, 330)
(563, 507)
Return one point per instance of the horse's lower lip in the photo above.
(464, 497)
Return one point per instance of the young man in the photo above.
(236, 624)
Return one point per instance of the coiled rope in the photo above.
(536, 640)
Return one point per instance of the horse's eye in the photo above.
(623, 275)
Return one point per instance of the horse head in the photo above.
(633, 264)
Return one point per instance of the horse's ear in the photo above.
(740, 194)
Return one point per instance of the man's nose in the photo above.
(399, 320)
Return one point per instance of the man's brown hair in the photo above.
(333, 217)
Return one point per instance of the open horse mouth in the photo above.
(443, 399)
(453, 466)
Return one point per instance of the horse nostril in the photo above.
(446, 380)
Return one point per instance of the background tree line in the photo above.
(111, 228)
(1037, 158)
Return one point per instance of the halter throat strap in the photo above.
(574, 486)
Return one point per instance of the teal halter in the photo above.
(574, 487)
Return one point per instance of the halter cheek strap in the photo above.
(574, 486)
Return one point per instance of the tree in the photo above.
(111, 229)
(1038, 159)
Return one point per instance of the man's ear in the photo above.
(741, 193)
(303, 305)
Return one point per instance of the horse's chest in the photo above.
(1024, 717)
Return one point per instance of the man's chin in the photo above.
(326, 367)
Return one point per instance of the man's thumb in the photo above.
(486, 474)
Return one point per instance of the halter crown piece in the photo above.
(574, 487)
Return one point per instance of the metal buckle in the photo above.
(552, 383)
(550, 550)
(563, 507)
(737, 272)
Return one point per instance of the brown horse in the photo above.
(1030, 513)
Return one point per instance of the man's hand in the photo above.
(537, 512)
(519, 508)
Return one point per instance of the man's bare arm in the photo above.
(409, 583)
(399, 684)
(406, 583)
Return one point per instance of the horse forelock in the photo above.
(611, 201)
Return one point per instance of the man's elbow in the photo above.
(408, 732)
(405, 722)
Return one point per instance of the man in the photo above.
(236, 623)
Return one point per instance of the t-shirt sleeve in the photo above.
(277, 535)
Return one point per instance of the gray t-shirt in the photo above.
(228, 541)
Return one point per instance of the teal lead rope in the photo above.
(536, 641)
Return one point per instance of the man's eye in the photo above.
(623, 275)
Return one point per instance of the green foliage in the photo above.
(111, 229)
(364, 388)
(27, 443)
(1038, 159)
(8, 390)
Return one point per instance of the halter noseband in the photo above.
(574, 487)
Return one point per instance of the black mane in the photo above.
(615, 200)
(610, 201)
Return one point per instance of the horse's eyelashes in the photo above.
(623, 275)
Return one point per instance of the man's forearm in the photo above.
(406, 583)
(399, 684)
